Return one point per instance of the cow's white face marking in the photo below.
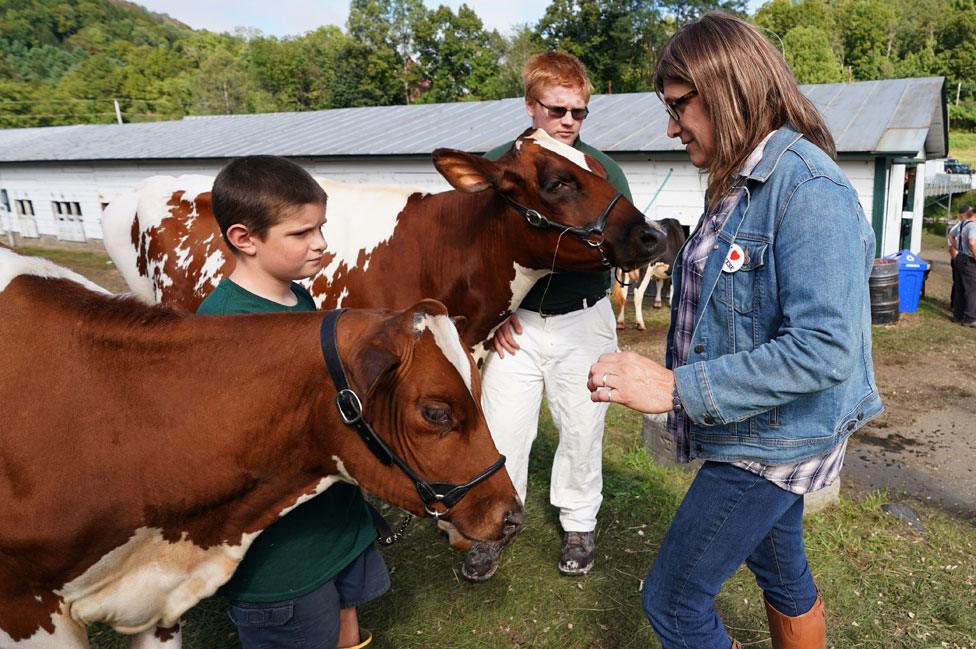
(358, 218)
(447, 338)
(13, 264)
(546, 141)
(150, 581)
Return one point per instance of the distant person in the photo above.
(768, 364)
(964, 211)
(301, 580)
(961, 240)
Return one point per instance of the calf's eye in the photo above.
(437, 415)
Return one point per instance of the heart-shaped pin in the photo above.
(734, 255)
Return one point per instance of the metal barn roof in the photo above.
(893, 116)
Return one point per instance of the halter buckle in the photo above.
(350, 407)
(534, 218)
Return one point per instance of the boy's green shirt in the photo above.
(313, 542)
(571, 287)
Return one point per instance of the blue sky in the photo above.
(295, 17)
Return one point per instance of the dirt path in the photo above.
(924, 445)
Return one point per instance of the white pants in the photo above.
(555, 357)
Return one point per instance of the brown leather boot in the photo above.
(807, 631)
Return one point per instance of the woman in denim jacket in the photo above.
(768, 368)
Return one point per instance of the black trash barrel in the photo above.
(883, 285)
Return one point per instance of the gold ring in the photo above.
(604, 380)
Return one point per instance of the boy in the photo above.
(306, 573)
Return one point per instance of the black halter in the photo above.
(351, 410)
(535, 219)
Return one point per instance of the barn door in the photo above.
(71, 227)
(25, 218)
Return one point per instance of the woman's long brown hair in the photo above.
(747, 88)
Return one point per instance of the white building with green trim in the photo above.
(55, 181)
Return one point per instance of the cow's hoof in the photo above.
(641, 327)
(657, 305)
(620, 326)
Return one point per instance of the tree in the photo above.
(867, 30)
(387, 27)
(615, 39)
(458, 56)
(808, 51)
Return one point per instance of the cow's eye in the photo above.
(437, 415)
(558, 185)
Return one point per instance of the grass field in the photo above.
(885, 585)
(962, 147)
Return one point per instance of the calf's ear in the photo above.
(372, 364)
(466, 172)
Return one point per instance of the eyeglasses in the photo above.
(557, 112)
(673, 106)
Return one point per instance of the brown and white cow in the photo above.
(658, 272)
(142, 450)
(470, 248)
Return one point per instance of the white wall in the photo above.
(92, 184)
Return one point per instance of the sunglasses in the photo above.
(557, 112)
(673, 106)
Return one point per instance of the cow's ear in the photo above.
(596, 167)
(466, 172)
(372, 364)
(460, 323)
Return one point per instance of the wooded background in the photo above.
(66, 61)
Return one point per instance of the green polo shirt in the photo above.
(312, 543)
(571, 287)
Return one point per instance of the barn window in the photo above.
(5, 199)
(66, 210)
(25, 207)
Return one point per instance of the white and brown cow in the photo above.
(470, 248)
(142, 450)
(641, 278)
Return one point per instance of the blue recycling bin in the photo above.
(911, 278)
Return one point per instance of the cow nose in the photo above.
(513, 521)
(652, 236)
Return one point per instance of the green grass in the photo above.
(885, 586)
(962, 147)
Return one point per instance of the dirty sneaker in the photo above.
(577, 554)
(481, 561)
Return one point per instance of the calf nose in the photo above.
(513, 521)
(653, 237)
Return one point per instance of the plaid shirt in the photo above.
(800, 478)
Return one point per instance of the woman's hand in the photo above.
(632, 380)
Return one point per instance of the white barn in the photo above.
(55, 181)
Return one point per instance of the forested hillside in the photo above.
(65, 61)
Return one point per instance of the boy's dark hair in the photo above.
(256, 190)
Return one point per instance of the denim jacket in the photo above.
(780, 366)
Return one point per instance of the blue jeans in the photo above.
(311, 621)
(728, 516)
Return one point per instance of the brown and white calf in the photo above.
(658, 272)
(470, 248)
(142, 450)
